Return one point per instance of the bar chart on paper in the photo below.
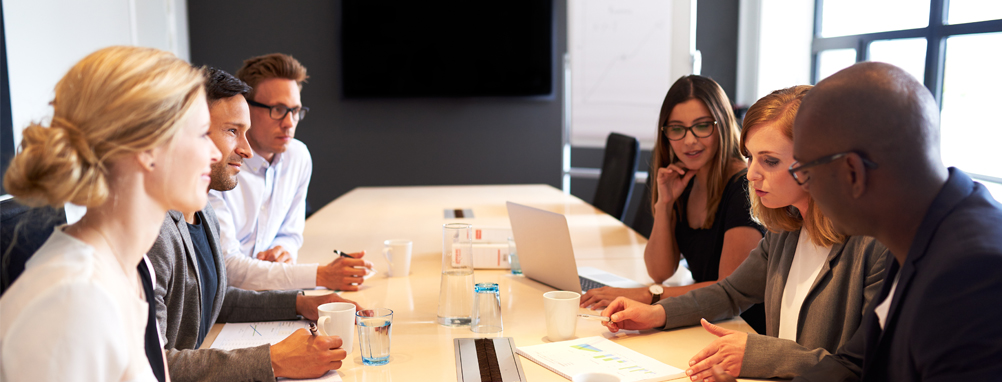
(597, 354)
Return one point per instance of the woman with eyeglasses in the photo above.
(699, 196)
(129, 140)
(814, 281)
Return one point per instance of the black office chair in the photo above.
(22, 231)
(643, 220)
(615, 183)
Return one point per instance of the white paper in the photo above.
(251, 334)
(597, 354)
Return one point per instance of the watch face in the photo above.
(656, 289)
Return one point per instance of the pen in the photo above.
(342, 254)
(594, 317)
(313, 329)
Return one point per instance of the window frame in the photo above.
(936, 34)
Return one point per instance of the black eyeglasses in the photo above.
(279, 112)
(678, 132)
(801, 175)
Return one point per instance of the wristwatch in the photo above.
(656, 291)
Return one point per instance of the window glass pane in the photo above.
(907, 54)
(831, 61)
(848, 17)
(969, 11)
(970, 134)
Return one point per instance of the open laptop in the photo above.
(546, 255)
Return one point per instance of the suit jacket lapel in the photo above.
(189, 249)
(209, 219)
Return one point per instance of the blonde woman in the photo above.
(813, 281)
(128, 139)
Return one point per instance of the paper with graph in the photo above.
(597, 354)
(250, 334)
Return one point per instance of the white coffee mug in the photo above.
(398, 255)
(561, 309)
(338, 319)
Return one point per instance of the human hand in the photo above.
(599, 298)
(302, 355)
(276, 254)
(344, 273)
(306, 306)
(726, 353)
(720, 376)
(632, 315)
(672, 180)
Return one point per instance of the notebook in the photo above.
(546, 255)
(599, 355)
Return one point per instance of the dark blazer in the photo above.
(831, 313)
(179, 308)
(943, 321)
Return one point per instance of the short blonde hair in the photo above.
(778, 109)
(274, 65)
(117, 101)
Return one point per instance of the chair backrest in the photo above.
(619, 167)
(22, 231)
(643, 220)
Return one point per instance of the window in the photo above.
(949, 45)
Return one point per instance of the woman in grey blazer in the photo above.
(814, 281)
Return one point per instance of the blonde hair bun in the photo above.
(116, 101)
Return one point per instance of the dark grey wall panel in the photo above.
(391, 141)
(717, 41)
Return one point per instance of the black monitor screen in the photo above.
(447, 48)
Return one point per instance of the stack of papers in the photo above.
(599, 355)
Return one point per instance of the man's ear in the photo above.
(146, 160)
(857, 170)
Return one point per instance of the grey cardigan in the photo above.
(178, 298)
(829, 316)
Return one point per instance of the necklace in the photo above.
(133, 283)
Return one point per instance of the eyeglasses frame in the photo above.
(688, 130)
(299, 115)
(825, 160)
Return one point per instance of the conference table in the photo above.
(421, 349)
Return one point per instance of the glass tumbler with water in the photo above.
(486, 309)
(374, 328)
(455, 298)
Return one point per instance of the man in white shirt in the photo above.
(262, 219)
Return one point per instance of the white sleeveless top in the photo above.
(72, 316)
(807, 263)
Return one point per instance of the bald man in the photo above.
(867, 142)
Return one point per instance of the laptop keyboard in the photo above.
(587, 284)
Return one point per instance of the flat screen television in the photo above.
(447, 48)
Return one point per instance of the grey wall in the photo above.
(717, 41)
(384, 142)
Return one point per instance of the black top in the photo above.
(702, 247)
(207, 273)
(154, 353)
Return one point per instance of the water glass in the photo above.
(516, 268)
(455, 298)
(486, 309)
(374, 328)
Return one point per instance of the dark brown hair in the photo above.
(710, 93)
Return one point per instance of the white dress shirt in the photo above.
(73, 316)
(266, 209)
(807, 263)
